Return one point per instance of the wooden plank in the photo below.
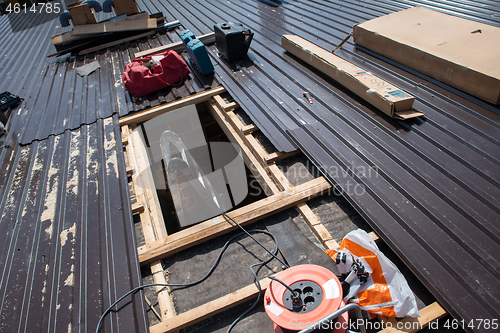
(280, 178)
(65, 37)
(116, 42)
(153, 226)
(225, 106)
(345, 73)
(279, 155)
(143, 170)
(256, 148)
(82, 14)
(137, 208)
(128, 7)
(245, 215)
(146, 219)
(167, 307)
(374, 236)
(71, 36)
(387, 321)
(177, 46)
(142, 249)
(226, 121)
(148, 302)
(210, 309)
(428, 314)
(308, 215)
(230, 106)
(220, 102)
(331, 244)
(250, 140)
(114, 26)
(125, 130)
(161, 109)
(129, 170)
(247, 129)
(323, 233)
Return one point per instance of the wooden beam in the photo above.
(280, 178)
(65, 37)
(247, 129)
(144, 180)
(230, 106)
(279, 155)
(308, 215)
(374, 236)
(225, 106)
(71, 35)
(210, 309)
(116, 42)
(137, 208)
(226, 121)
(153, 225)
(151, 306)
(219, 225)
(256, 148)
(177, 46)
(114, 26)
(161, 109)
(428, 314)
(165, 302)
(387, 321)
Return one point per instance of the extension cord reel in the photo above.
(320, 295)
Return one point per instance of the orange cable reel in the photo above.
(320, 294)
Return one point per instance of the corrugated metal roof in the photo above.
(67, 246)
(433, 190)
(56, 98)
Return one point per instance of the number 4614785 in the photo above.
(44, 8)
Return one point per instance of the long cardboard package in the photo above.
(385, 96)
(461, 53)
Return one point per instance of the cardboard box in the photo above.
(461, 53)
(385, 96)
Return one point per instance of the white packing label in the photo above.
(157, 58)
(331, 289)
(275, 309)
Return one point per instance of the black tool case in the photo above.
(232, 40)
(8, 101)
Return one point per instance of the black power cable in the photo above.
(274, 255)
(185, 285)
(294, 293)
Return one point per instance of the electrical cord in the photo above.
(210, 271)
(294, 293)
(236, 223)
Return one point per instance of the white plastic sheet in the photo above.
(376, 284)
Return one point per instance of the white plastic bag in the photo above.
(376, 284)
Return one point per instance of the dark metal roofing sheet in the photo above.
(67, 246)
(429, 186)
(57, 98)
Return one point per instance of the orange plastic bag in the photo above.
(376, 284)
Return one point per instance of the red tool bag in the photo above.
(139, 80)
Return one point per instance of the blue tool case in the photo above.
(197, 52)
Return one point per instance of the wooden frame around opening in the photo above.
(281, 195)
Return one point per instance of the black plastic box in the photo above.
(232, 40)
(8, 101)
